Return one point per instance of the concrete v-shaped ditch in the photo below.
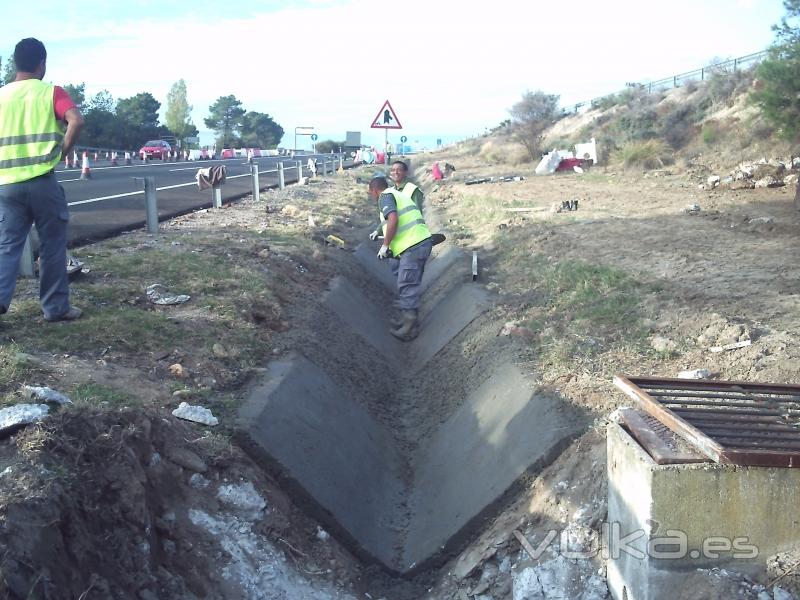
(405, 509)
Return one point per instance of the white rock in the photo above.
(322, 535)
(695, 374)
(760, 220)
(198, 414)
(778, 593)
(47, 394)
(661, 344)
(198, 482)
(692, 208)
(243, 497)
(21, 414)
(713, 181)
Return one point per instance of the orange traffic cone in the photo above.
(95, 157)
(66, 161)
(85, 174)
(249, 156)
(127, 158)
(114, 159)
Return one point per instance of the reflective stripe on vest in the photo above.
(411, 228)
(31, 138)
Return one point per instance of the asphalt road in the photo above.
(112, 200)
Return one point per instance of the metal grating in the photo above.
(731, 422)
(663, 445)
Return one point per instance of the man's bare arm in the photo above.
(74, 120)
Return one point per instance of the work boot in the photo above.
(409, 328)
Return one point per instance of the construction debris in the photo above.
(157, 294)
(47, 394)
(198, 414)
(14, 417)
(734, 346)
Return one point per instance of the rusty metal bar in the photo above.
(691, 434)
(724, 395)
(732, 422)
(709, 385)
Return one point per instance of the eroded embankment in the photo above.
(403, 449)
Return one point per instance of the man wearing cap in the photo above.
(407, 242)
(39, 123)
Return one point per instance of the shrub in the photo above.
(638, 124)
(606, 102)
(647, 154)
(710, 133)
(678, 128)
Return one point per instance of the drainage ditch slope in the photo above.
(333, 418)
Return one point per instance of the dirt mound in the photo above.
(136, 504)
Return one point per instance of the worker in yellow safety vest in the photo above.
(39, 123)
(407, 244)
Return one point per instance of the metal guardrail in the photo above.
(674, 81)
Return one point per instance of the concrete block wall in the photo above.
(693, 516)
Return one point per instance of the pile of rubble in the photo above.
(760, 174)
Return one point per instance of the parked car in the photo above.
(155, 149)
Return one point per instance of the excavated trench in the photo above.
(332, 419)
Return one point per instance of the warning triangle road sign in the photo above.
(386, 118)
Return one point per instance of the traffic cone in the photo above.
(66, 161)
(74, 158)
(127, 158)
(85, 174)
(95, 157)
(144, 158)
(249, 156)
(114, 159)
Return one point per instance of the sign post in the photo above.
(386, 119)
(301, 131)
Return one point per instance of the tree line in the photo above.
(127, 123)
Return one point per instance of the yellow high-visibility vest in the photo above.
(31, 138)
(411, 228)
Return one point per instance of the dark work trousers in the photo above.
(409, 268)
(41, 201)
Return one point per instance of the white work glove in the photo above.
(383, 252)
(374, 235)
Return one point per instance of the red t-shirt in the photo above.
(61, 102)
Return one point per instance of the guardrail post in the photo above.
(324, 167)
(299, 170)
(256, 189)
(216, 196)
(281, 177)
(150, 204)
(341, 161)
(26, 262)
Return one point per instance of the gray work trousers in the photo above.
(409, 268)
(40, 200)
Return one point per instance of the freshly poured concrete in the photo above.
(331, 450)
(503, 430)
(708, 515)
(403, 511)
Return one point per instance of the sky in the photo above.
(451, 69)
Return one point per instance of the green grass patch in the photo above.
(125, 327)
(13, 367)
(97, 394)
(579, 309)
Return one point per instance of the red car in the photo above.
(155, 149)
